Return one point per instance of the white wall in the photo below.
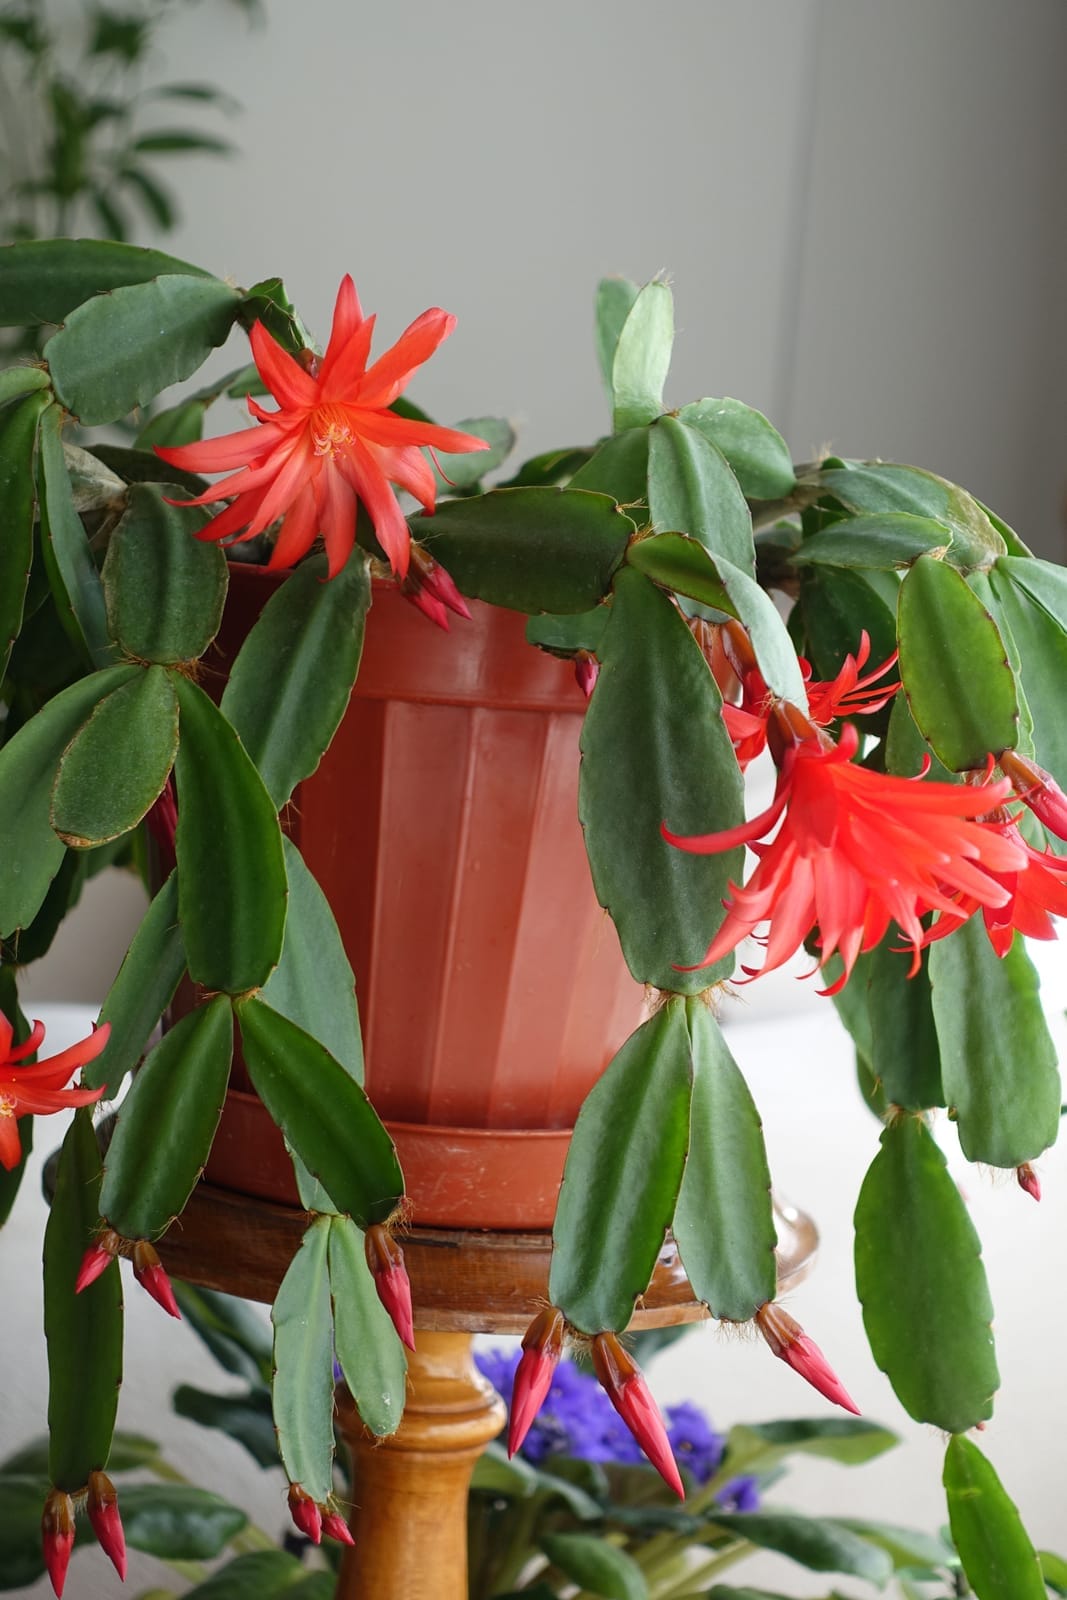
(862, 207)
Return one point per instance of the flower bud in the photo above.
(386, 1261)
(57, 1536)
(148, 1270)
(623, 1383)
(586, 671)
(334, 1526)
(1037, 789)
(103, 1508)
(788, 1340)
(305, 1513)
(1028, 1179)
(542, 1347)
(96, 1260)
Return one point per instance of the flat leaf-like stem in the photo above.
(302, 1389)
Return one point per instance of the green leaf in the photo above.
(84, 1331)
(30, 853)
(642, 357)
(529, 549)
(596, 1566)
(313, 984)
(239, 1341)
(818, 1543)
(757, 454)
(165, 589)
(303, 1365)
(564, 635)
(692, 490)
(246, 1418)
(268, 302)
(1032, 608)
(892, 540)
(907, 753)
(904, 1054)
(686, 567)
(43, 280)
(180, 1087)
(173, 141)
(141, 992)
(291, 682)
(998, 1059)
(259, 1575)
(366, 1343)
(880, 487)
(18, 381)
(21, 1500)
(178, 1522)
(64, 892)
(619, 467)
(115, 767)
(348, 1149)
(109, 358)
(905, 1547)
(954, 667)
(72, 572)
(231, 870)
(623, 1173)
(455, 473)
(129, 1452)
(654, 749)
(1053, 1570)
(142, 466)
(920, 1279)
(614, 302)
(836, 605)
(762, 1446)
(19, 425)
(723, 1223)
(180, 424)
(997, 1556)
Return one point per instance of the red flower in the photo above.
(386, 1261)
(856, 850)
(333, 439)
(1036, 891)
(57, 1536)
(542, 1347)
(1038, 789)
(623, 1382)
(39, 1089)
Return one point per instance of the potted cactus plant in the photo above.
(669, 603)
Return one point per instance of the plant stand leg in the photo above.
(410, 1517)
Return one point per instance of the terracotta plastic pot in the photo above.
(443, 827)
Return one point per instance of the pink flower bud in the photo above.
(542, 1348)
(103, 1508)
(788, 1340)
(586, 669)
(305, 1513)
(386, 1261)
(334, 1526)
(148, 1270)
(622, 1381)
(1037, 789)
(96, 1260)
(57, 1536)
(1028, 1179)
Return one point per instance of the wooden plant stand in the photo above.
(410, 1518)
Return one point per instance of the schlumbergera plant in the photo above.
(911, 705)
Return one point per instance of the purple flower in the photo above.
(578, 1420)
(740, 1494)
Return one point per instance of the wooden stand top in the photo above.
(461, 1281)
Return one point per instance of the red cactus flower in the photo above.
(386, 1261)
(305, 1513)
(333, 442)
(150, 1274)
(856, 850)
(788, 1340)
(542, 1347)
(849, 695)
(1036, 891)
(102, 1505)
(57, 1537)
(623, 1383)
(39, 1088)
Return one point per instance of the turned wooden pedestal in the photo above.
(410, 1516)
